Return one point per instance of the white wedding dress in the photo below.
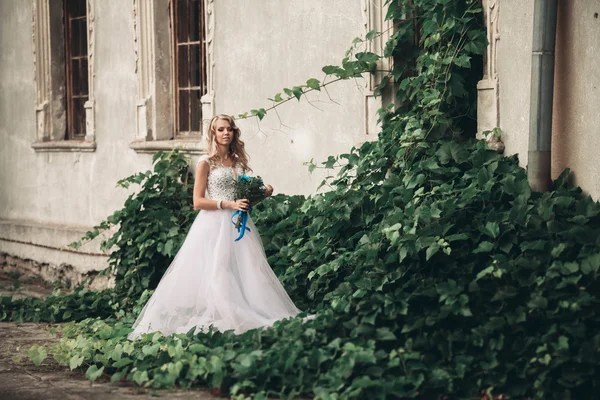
(214, 280)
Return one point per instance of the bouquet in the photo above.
(253, 189)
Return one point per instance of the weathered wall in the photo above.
(259, 51)
(576, 122)
(17, 123)
(514, 74)
(69, 188)
(48, 199)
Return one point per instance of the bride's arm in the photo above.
(201, 202)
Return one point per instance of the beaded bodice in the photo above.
(221, 181)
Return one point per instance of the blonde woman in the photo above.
(214, 280)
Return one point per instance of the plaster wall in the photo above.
(514, 74)
(576, 121)
(48, 199)
(576, 118)
(261, 50)
(67, 188)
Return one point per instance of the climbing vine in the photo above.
(432, 267)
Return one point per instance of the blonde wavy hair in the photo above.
(236, 148)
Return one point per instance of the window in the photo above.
(63, 51)
(76, 67)
(189, 65)
(174, 73)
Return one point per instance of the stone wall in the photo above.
(576, 120)
(65, 274)
(51, 193)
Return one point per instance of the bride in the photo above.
(214, 280)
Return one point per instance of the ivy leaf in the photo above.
(37, 354)
(367, 57)
(332, 70)
(463, 61)
(557, 251)
(93, 372)
(297, 91)
(457, 237)
(484, 247)
(591, 264)
(311, 166)
(331, 160)
(260, 113)
(140, 377)
(452, 151)
(75, 362)
(563, 343)
(314, 84)
(122, 362)
(117, 376)
(382, 85)
(538, 302)
(385, 334)
(492, 229)
(371, 35)
(431, 250)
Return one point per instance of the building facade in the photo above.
(91, 89)
(504, 92)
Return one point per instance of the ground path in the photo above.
(20, 379)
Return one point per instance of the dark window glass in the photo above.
(189, 64)
(75, 21)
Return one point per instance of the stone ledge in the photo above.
(186, 146)
(47, 245)
(50, 235)
(67, 146)
(52, 273)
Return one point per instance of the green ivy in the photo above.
(151, 225)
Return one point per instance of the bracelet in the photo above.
(219, 205)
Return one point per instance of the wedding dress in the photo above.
(214, 280)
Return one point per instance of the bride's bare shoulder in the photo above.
(203, 166)
(204, 159)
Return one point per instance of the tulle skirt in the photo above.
(216, 281)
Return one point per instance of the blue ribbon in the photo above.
(242, 228)
(244, 214)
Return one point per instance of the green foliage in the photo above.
(150, 228)
(450, 278)
(151, 225)
(37, 354)
(432, 268)
(74, 306)
(250, 188)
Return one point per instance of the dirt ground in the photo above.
(20, 379)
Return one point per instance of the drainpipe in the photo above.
(542, 93)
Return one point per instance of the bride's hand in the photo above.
(240, 205)
(268, 191)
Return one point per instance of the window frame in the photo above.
(153, 45)
(49, 55)
(176, 67)
(74, 113)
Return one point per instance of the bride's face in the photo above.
(223, 132)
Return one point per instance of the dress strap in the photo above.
(203, 157)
